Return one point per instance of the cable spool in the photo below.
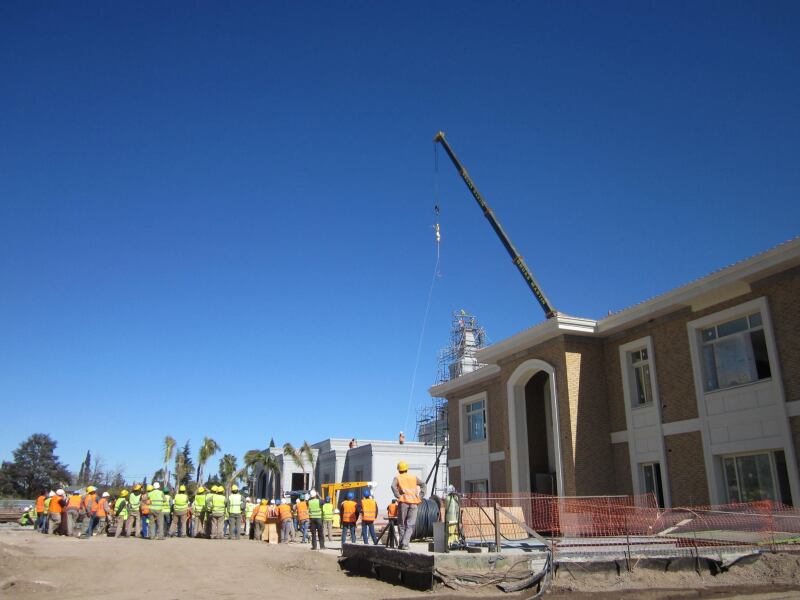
(427, 514)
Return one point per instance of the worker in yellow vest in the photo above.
(199, 513)
(155, 502)
(180, 510)
(216, 504)
(121, 507)
(369, 512)
(327, 519)
(134, 523)
(315, 521)
(409, 491)
(46, 512)
(167, 510)
(348, 512)
(249, 506)
(234, 512)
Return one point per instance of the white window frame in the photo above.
(632, 368)
(702, 344)
(643, 488)
(468, 413)
(469, 483)
(776, 490)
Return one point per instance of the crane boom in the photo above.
(516, 258)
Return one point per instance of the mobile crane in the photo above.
(547, 307)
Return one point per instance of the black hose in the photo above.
(427, 515)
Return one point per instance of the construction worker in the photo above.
(301, 508)
(180, 509)
(148, 530)
(327, 518)
(216, 504)
(285, 516)
(234, 512)
(121, 514)
(391, 515)
(134, 501)
(452, 513)
(198, 512)
(409, 490)
(88, 506)
(349, 513)
(40, 500)
(73, 512)
(315, 516)
(155, 505)
(369, 512)
(260, 513)
(101, 512)
(55, 511)
(46, 517)
(249, 506)
(167, 510)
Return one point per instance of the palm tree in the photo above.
(227, 470)
(180, 469)
(169, 449)
(308, 453)
(302, 456)
(207, 450)
(255, 458)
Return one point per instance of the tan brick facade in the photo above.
(622, 468)
(687, 469)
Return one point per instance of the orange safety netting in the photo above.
(753, 523)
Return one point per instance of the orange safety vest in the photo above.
(145, 506)
(260, 515)
(40, 504)
(391, 510)
(348, 511)
(101, 508)
(409, 492)
(55, 505)
(74, 503)
(88, 503)
(369, 510)
(285, 512)
(302, 511)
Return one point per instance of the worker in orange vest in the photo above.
(285, 516)
(73, 511)
(40, 511)
(349, 514)
(369, 512)
(260, 514)
(88, 506)
(391, 515)
(55, 511)
(301, 506)
(101, 512)
(409, 491)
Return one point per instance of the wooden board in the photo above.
(478, 524)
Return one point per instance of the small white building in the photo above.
(368, 460)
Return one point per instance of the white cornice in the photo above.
(441, 390)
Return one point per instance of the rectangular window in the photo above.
(478, 486)
(734, 353)
(651, 481)
(476, 421)
(642, 391)
(752, 477)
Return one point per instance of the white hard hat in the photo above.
(105, 494)
(156, 485)
(313, 493)
(50, 494)
(248, 499)
(272, 501)
(451, 489)
(59, 492)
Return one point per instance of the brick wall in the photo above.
(622, 469)
(455, 478)
(794, 423)
(500, 476)
(687, 471)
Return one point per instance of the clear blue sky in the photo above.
(216, 219)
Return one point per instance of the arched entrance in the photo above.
(533, 429)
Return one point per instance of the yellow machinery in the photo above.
(330, 489)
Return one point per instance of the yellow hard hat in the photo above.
(234, 488)
(402, 466)
(90, 489)
(137, 487)
(263, 502)
(182, 488)
(201, 489)
(220, 489)
(123, 493)
(149, 488)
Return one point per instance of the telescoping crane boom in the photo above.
(548, 309)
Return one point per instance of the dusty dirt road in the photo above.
(38, 566)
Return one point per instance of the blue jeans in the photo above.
(349, 527)
(304, 529)
(90, 523)
(368, 528)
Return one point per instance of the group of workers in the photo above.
(152, 512)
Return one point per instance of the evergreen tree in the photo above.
(35, 468)
(184, 459)
(271, 442)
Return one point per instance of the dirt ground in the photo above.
(34, 565)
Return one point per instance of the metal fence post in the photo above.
(496, 527)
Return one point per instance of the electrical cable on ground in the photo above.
(427, 515)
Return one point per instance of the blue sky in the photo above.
(216, 219)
